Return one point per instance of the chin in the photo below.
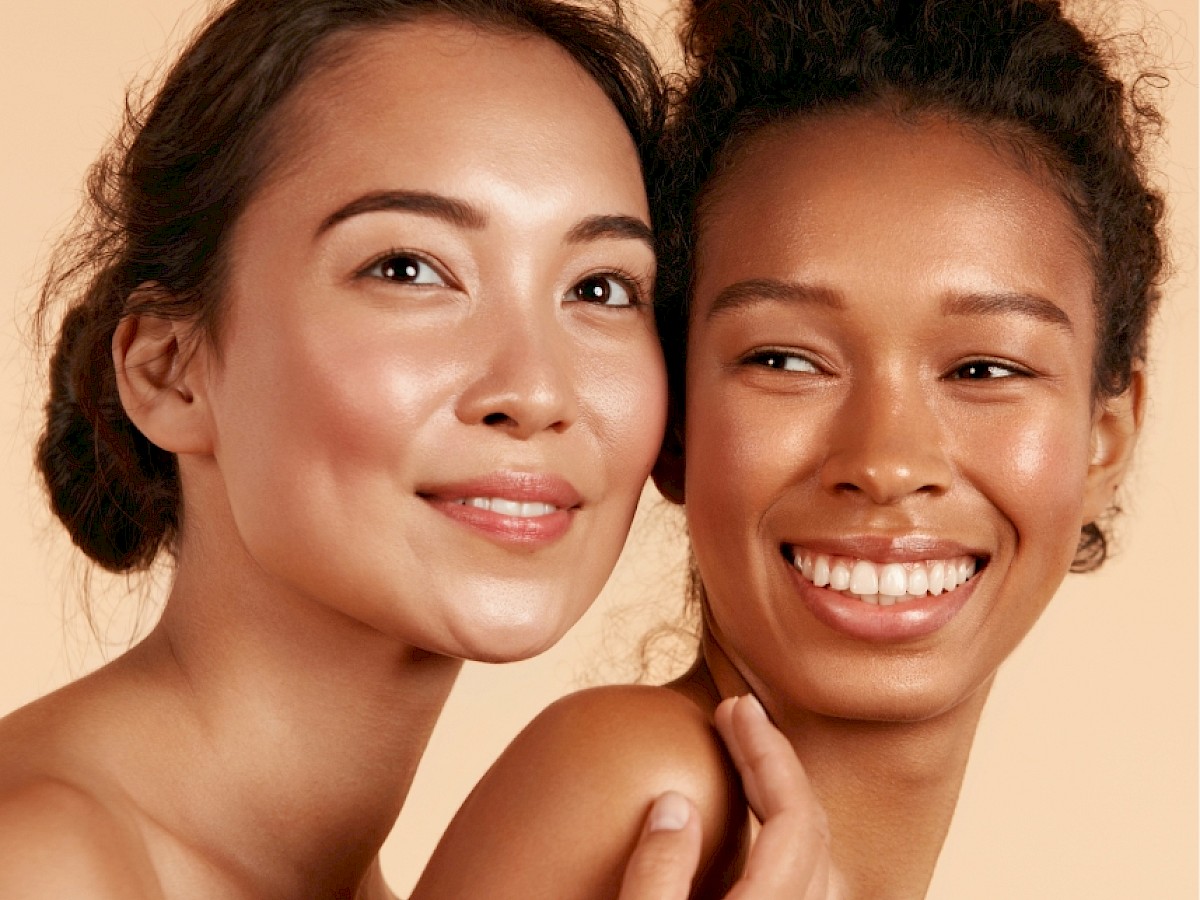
(906, 701)
(508, 634)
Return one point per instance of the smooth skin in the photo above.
(441, 291)
(890, 358)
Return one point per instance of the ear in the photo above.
(160, 375)
(668, 472)
(1114, 434)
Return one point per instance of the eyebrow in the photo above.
(595, 228)
(770, 290)
(464, 215)
(1007, 303)
(423, 203)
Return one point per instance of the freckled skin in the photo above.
(881, 434)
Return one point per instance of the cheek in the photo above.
(309, 406)
(740, 457)
(1035, 467)
(622, 391)
(369, 399)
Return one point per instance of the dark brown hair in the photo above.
(1020, 70)
(162, 202)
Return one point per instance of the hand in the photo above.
(789, 859)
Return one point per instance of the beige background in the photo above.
(1083, 781)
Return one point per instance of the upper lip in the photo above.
(900, 548)
(525, 487)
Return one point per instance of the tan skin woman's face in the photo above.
(889, 377)
(439, 390)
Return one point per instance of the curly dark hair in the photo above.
(164, 198)
(1020, 70)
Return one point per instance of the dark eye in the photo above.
(605, 290)
(786, 362)
(405, 268)
(983, 369)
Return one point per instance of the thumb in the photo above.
(667, 853)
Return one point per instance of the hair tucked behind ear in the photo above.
(1020, 69)
(162, 202)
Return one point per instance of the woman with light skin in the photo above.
(357, 330)
(905, 299)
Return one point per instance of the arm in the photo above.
(559, 813)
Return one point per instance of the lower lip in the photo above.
(525, 531)
(900, 622)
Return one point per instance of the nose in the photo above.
(888, 445)
(522, 381)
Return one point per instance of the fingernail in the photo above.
(670, 812)
(754, 705)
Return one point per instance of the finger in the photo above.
(772, 775)
(664, 861)
(790, 857)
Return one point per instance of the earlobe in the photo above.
(1114, 435)
(159, 374)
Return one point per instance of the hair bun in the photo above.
(114, 491)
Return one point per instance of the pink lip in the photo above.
(523, 487)
(901, 622)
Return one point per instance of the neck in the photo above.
(300, 730)
(889, 788)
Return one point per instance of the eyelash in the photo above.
(762, 358)
(368, 271)
(1014, 371)
(634, 288)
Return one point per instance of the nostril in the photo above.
(496, 418)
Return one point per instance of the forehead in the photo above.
(928, 197)
(442, 90)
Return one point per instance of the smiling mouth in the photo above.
(505, 507)
(882, 584)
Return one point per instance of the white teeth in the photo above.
(951, 577)
(918, 580)
(883, 584)
(892, 580)
(839, 576)
(509, 507)
(820, 576)
(937, 578)
(864, 579)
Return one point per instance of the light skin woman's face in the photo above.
(438, 390)
(891, 440)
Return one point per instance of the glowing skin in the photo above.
(438, 329)
(889, 370)
(417, 435)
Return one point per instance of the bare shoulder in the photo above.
(652, 737)
(560, 811)
(57, 840)
(62, 832)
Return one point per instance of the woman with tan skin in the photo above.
(358, 331)
(907, 290)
